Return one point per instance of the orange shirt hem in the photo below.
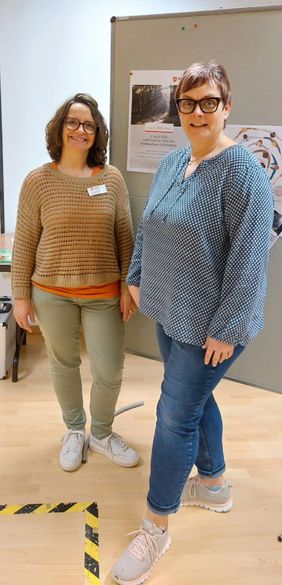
(102, 291)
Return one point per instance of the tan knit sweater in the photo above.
(65, 237)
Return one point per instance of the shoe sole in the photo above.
(117, 461)
(70, 469)
(220, 508)
(146, 575)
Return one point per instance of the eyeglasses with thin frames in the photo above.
(208, 105)
(74, 124)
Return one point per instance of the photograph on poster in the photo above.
(154, 103)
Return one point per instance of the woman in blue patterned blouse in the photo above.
(199, 270)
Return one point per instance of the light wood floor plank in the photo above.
(239, 548)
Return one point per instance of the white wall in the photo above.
(51, 49)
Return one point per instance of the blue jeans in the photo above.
(189, 424)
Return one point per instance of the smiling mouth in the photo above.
(78, 139)
(198, 125)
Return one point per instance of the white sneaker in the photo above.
(136, 563)
(114, 447)
(71, 451)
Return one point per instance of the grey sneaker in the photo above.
(196, 494)
(71, 451)
(114, 447)
(135, 564)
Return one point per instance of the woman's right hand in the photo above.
(24, 314)
(135, 293)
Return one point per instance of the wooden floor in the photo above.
(239, 548)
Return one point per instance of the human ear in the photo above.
(227, 109)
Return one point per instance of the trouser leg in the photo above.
(186, 387)
(210, 456)
(104, 337)
(59, 321)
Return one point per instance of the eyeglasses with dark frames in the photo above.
(208, 105)
(74, 124)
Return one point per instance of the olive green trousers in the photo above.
(61, 319)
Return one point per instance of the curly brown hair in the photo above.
(98, 152)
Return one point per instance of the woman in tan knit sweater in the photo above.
(73, 245)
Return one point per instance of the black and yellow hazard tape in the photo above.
(91, 548)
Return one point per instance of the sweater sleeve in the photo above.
(123, 227)
(248, 212)
(27, 235)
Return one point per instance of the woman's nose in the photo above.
(81, 128)
(198, 110)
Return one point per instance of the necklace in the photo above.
(205, 157)
(194, 160)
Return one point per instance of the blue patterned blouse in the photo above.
(202, 247)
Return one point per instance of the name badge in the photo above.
(98, 190)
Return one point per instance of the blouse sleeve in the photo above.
(248, 212)
(134, 273)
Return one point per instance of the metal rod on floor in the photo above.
(128, 407)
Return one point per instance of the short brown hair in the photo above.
(199, 73)
(98, 152)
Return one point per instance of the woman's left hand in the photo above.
(217, 351)
(127, 304)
